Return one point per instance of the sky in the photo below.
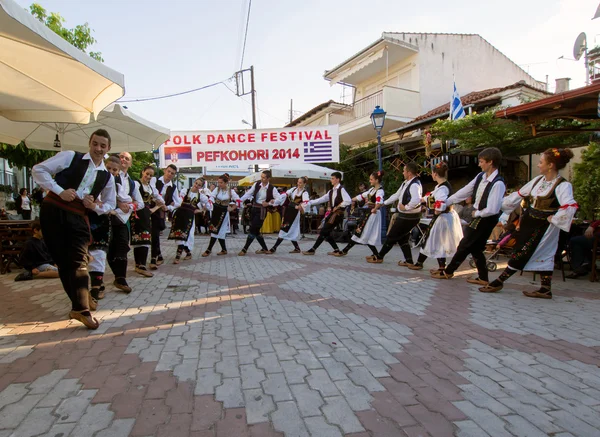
(165, 47)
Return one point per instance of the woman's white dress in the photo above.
(371, 233)
(221, 195)
(294, 233)
(542, 259)
(202, 201)
(446, 232)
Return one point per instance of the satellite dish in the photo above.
(597, 15)
(580, 46)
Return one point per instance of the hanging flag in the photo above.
(456, 108)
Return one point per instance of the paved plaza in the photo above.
(292, 345)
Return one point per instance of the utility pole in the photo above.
(253, 91)
(241, 91)
(291, 110)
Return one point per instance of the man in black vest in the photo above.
(264, 195)
(165, 186)
(78, 180)
(407, 217)
(337, 199)
(487, 191)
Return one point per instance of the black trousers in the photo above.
(118, 248)
(256, 222)
(26, 214)
(399, 232)
(67, 237)
(155, 234)
(473, 243)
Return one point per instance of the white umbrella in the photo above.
(129, 132)
(292, 171)
(46, 79)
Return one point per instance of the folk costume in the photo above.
(368, 228)
(487, 193)
(259, 193)
(409, 196)
(444, 233)
(337, 200)
(537, 239)
(65, 224)
(292, 215)
(222, 201)
(182, 228)
(141, 226)
(170, 196)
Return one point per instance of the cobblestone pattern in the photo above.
(258, 346)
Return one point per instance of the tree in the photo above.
(80, 36)
(586, 182)
(20, 156)
(139, 161)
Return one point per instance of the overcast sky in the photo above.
(164, 47)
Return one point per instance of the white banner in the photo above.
(310, 144)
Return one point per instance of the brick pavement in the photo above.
(291, 345)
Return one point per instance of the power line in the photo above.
(245, 34)
(173, 95)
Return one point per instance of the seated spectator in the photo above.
(466, 213)
(35, 257)
(3, 214)
(581, 251)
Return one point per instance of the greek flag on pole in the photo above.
(456, 108)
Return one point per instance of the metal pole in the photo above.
(253, 93)
(379, 149)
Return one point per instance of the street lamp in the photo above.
(156, 155)
(378, 119)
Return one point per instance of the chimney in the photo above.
(562, 85)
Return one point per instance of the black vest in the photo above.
(406, 197)
(269, 192)
(486, 192)
(72, 176)
(339, 199)
(168, 197)
(146, 197)
(119, 180)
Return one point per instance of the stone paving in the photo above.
(292, 345)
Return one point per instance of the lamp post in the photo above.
(156, 155)
(378, 119)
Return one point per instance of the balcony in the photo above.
(401, 105)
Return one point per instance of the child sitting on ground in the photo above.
(35, 257)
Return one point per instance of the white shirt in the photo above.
(25, 203)
(346, 199)
(44, 172)
(261, 196)
(176, 203)
(414, 204)
(365, 196)
(494, 202)
(228, 194)
(136, 195)
(291, 194)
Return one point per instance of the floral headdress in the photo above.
(556, 152)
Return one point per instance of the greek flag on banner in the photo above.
(456, 108)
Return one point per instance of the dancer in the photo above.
(551, 208)
(141, 222)
(182, 228)
(409, 213)
(337, 199)
(101, 228)
(264, 195)
(368, 230)
(290, 223)
(78, 180)
(222, 198)
(168, 191)
(445, 231)
(487, 191)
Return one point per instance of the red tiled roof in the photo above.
(313, 111)
(473, 97)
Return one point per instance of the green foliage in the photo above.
(586, 182)
(8, 189)
(511, 137)
(80, 36)
(139, 161)
(20, 156)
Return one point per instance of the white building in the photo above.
(409, 74)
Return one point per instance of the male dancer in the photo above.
(78, 180)
(338, 199)
(487, 191)
(408, 216)
(264, 195)
(167, 189)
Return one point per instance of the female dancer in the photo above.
(368, 230)
(222, 197)
(141, 223)
(444, 232)
(183, 220)
(290, 224)
(550, 209)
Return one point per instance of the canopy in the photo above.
(129, 132)
(46, 79)
(287, 173)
